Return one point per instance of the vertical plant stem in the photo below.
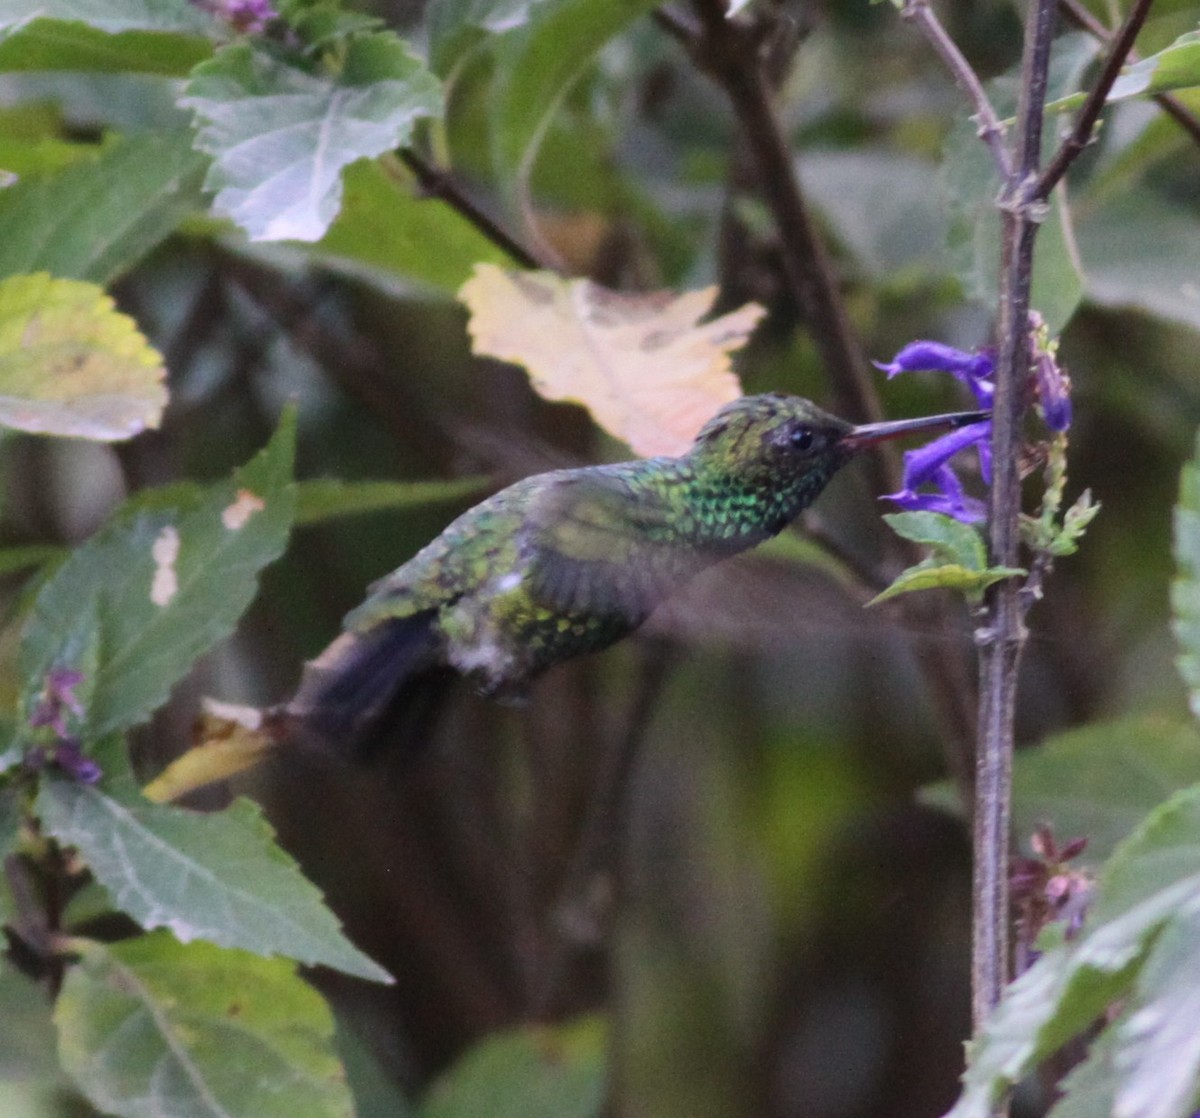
(1002, 635)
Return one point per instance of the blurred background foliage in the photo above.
(769, 922)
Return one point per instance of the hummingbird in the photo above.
(571, 561)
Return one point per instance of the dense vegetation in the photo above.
(721, 869)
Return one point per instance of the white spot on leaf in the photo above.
(165, 551)
(244, 506)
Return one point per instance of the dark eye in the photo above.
(803, 438)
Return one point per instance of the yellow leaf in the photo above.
(645, 366)
(230, 740)
(72, 364)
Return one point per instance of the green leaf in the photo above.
(111, 16)
(72, 364)
(1185, 591)
(538, 63)
(1158, 1049)
(49, 44)
(882, 207)
(1140, 251)
(168, 576)
(1101, 780)
(455, 24)
(384, 232)
(532, 1071)
(97, 218)
(281, 135)
(327, 498)
(219, 877)
(1153, 877)
(1174, 67)
(31, 555)
(945, 576)
(1091, 1087)
(950, 539)
(150, 1027)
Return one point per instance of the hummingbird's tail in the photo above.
(368, 690)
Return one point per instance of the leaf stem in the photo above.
(991, 131)
(1085, 122)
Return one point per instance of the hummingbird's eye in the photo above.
(803, 438)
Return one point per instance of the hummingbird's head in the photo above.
(774, 436)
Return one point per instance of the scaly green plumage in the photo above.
(568, 562)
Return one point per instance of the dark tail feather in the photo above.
(369, 690)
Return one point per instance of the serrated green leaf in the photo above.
(219, 877)
(111, 16)
(1089, 1089)
(95, 219)
(72, 364)
(281, 135)
(322, 499)
(1158, 1044)
(150, 1027)
(383, 232)
(538, 63)
(945, 576)
(168, 576)
(951, 540)
(1153, 876)
(1185, 592)
(532, 1071)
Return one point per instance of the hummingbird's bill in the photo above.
(868, 434)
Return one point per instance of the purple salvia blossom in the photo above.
(1053, 388)
(249, 17)
(69, 756)
(930, 464)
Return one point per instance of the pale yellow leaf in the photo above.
(646, 367)
(72, 364)
(229, 740)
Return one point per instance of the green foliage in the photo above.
(1097, 781)
(94, 219)
(1177, 66)
(218, 877)
(280, 133)
(71, 364)
(534, 1071)
(153, 1026)
(165, 580)
(958, 560)
(1140, 944)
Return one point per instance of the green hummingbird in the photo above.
(571, 561)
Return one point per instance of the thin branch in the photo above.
(1085, 122)
(991, 131)
(1002, 633)
(730, 53)
(439, 184)
(1079, 16)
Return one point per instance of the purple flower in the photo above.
(1053, 388)
(929, 465)
(975, 370)
(57, 698)
(250, 17)
(64, 750)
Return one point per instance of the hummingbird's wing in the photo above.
(597, 543)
